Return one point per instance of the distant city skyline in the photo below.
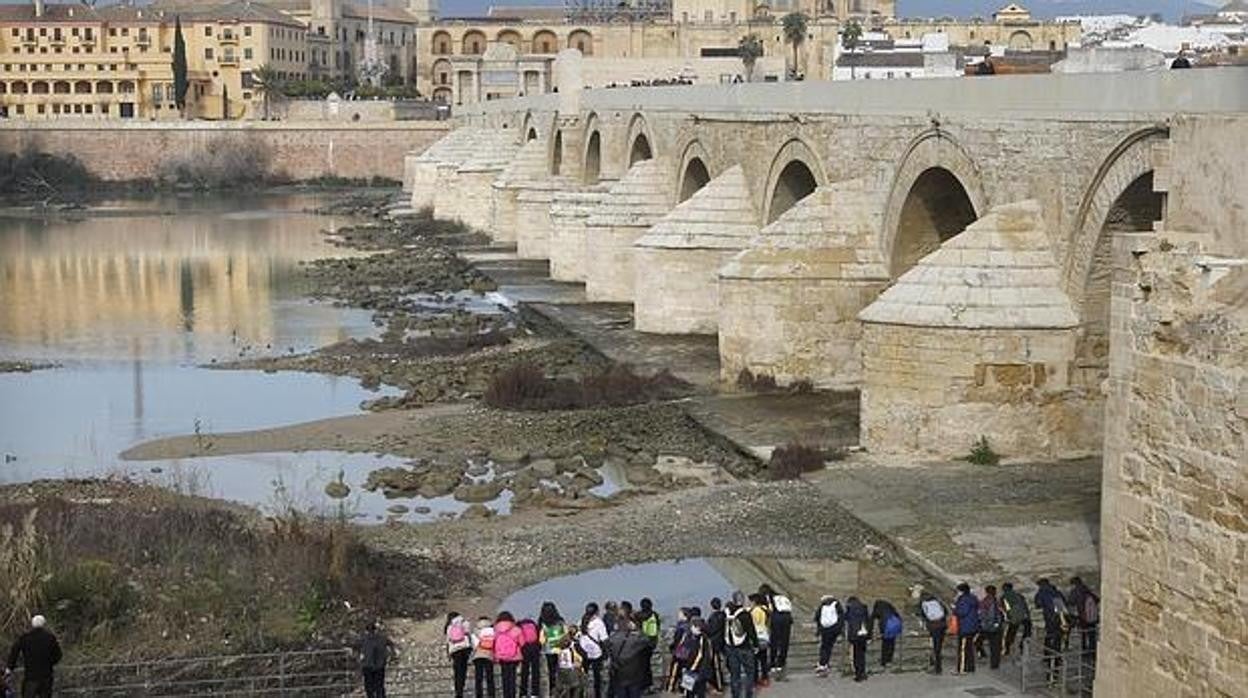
(1171, 10)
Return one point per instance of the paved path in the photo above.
(981, 685)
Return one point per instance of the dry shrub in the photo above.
(756, 382)
(525, 387)
(222, 164)
(124, 581)
(788, 462)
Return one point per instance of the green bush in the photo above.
(89, 598)
(982, 454)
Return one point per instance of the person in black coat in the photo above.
(39, 652)
(858, 632)
(881, 611)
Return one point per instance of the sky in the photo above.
(1172, 10)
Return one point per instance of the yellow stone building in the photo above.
(59, 60)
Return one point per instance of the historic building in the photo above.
(117, 61)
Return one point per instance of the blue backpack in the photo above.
(892, 627)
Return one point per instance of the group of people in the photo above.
(741, 645)
(987, 626)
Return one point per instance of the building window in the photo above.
(158, 93)
(247, 53)
(125, 31)
(88, 108)
(208, 30)
(247, 30)
(208, 53)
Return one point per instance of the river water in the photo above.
(131, 302)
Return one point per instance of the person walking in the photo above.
(936, 619)
(628, 650)
(698, 669)
(715, 624)
(740, 647)
(39, 652)
(885, 615)
(375, 649)
(530, 658)
(508, 644)
(459, 649)
(651, 627)
(552, 632)
(593, 642)
(858, 633)
(829, 619)
(1056, 623)
(1086, 606)
(610, 615)
(483, 658)
(781, 629)
(966, 608)
(1017, 618)
(991, 624)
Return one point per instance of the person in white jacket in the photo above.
(592, 641)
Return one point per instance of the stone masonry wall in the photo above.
(1174, 515)
(297, 150)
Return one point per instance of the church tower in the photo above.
(425, 11)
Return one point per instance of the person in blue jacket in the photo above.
(966, 608)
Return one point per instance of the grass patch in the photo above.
(524, 386)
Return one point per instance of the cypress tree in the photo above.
(180, 84)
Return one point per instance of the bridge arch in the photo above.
(794, 174)
(1120, 199)
(593, 150)
(556, 153)
(695, 170)
(640, 144)
(936, 192)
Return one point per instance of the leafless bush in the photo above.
(788, 462)
(222, 164)
(20, 570)
(525, 387)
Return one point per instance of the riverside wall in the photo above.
(117, 151)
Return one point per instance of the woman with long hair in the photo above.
(553, 631)
(459, 647)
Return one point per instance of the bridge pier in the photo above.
(789, 302)
(630, 207)
(423, 170)
(976, 341)
(569, 211)
(527, 168)
(469, 192)
(677, 261)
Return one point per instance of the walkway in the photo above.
(981, 685)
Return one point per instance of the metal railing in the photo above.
(313, 673)
(335, 673)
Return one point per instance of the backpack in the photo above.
(455, 634)
(505, 646)
(1015, 607)
(782, 604)
(685, 648)
(650, 626)
(1090, 614)
(528, 633)
(829, 616)
(892, 627)
(737, 634)
(933, 611)
(990, 616)
(485, 642)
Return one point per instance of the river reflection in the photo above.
(165, 284)
(132, 302)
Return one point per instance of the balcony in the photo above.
(228, 38)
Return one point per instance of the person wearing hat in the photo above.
(39, 652)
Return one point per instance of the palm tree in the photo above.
(750, 48)
(267, 83)
(794, 33)
(850, 36)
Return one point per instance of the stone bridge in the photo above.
(942, 246)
